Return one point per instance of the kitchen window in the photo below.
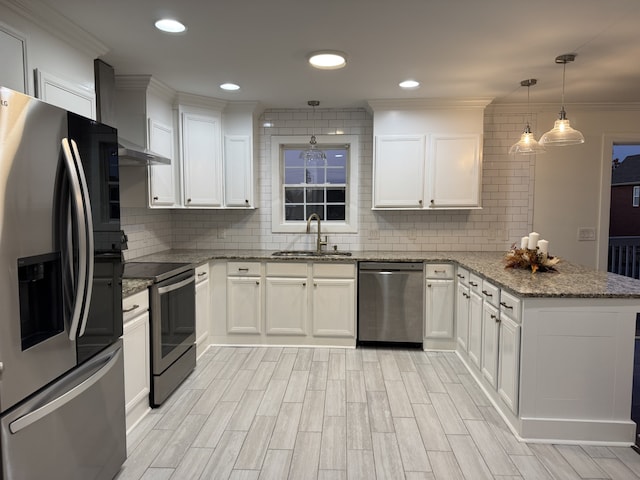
(636, 196)
(300, 190)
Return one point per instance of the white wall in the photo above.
(569, 179)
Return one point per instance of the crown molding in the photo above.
(555, 107)
(45, 17)
(192, 100)
(469, 103)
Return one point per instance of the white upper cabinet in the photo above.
(398, 176)
(201, 160)
(454, 170)
(428, 153)
(238, 171)
(162, 188)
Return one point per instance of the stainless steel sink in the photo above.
(310, 253)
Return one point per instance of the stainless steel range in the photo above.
(173, 323)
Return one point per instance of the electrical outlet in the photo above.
(374, 234)
(586, 234)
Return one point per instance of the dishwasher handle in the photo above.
(391, 266)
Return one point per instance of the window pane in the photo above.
(335, 212)
(336, 175)
(315, 175)
(315, 195)
(319, 209)
(335, 195)
(292, 158)
(294, 195)
(294, 212)
(294, 176)
(336, 157)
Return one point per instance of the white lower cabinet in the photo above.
(440, 294)
(334, 307)
(509, 361)
(286, 301)
(203, 302)
(244, 297)
(462, 309)
(490, 338)
(137, 370)
(475, 327)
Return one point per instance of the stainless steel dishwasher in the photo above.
(390, 302)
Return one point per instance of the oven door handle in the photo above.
(176, 286)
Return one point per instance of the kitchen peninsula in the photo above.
(553, 351)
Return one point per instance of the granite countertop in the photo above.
(572, 281)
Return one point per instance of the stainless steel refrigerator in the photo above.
(62, 412)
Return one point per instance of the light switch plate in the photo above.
(586, 234)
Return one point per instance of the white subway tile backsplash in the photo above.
(507, 211)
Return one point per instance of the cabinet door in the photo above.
(455, 171)
(334, 307)
(462, 316)
(509, 357)
(202, 315)
(238, 171)
(201, 161)
(475, 328)
(439, 315)
(399, 171)
(162, 178)
(243, 304)
(135, 342)
(286, 306)
(490, 331)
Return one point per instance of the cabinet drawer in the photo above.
(491, 293)
(475, 283)
(334, 270)
(439, 270)
(202, 273)
(286, 269)
(243, 269)
(462, 275)
(135, 305)
(510, 306)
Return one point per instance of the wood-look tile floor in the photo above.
(321, 413)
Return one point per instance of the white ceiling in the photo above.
(455, 48)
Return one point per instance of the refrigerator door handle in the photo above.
(88, 218)
(100, 370)
(77, 201)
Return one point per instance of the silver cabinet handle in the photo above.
(133, 307)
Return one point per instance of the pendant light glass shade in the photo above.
(562, 134)
(527, 145)
(313, 156)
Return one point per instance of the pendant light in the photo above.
(527, 145)
(562, 134)
(313, 156)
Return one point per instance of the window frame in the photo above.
(635, 198)
(278, 223)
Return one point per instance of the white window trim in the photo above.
(635, 198)
(350, 225)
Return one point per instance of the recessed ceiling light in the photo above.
(230, 86)
(170, 25)
(328, 59)
(408, 84)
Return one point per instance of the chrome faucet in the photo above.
(319, 242)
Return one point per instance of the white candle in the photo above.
(524, 242)
(543, 245)
(533, 240)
